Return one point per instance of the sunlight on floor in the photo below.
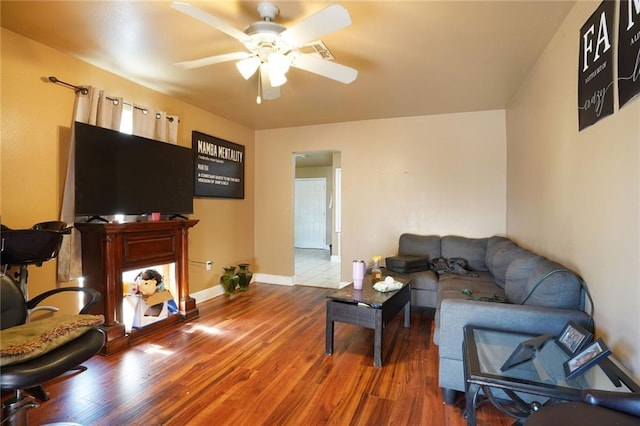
(204, 329)
(157, 349)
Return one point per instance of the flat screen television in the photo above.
(118, 173)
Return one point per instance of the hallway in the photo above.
(314, 268)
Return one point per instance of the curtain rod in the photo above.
(77, 89)
(144, 110)
(115, 101)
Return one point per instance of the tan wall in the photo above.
(440, 174)
(36, 120)
(574, 196)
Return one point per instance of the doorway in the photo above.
(311, 213)
(316, 243)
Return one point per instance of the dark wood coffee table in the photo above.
(367, 308)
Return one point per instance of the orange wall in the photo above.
(36, 120)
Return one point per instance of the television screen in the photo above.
(117, 173)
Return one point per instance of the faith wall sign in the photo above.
(595, 69)
(629, 51)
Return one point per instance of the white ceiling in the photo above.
(413, 57)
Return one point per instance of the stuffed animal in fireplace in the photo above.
(151, 281)
(150, 275)
(147, 287)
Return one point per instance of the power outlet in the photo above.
(207, 265)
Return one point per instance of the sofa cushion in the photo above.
(31, 340)
(553, 286)
(518, 273)
(503, 254)
(451, 286)
(419, 245)
(424, 280)
(473, 250)
(494, 244)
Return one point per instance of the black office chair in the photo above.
(596, 408)
(25, 247)
(24, 379)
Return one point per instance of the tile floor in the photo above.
(314, 268)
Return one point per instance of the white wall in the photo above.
(574, 196)
(442, 174)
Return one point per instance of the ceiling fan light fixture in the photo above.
(279, 63)
(248, 66)
(276, 78)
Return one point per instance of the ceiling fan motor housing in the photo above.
(264, 38)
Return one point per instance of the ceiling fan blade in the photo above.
(210, 60)
(268, 91)
(332, 70)
(211, 20)
(327, 20)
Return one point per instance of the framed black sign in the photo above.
(595, 69)
(629, 51)
(218, 167)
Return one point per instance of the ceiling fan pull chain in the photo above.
(259, 97)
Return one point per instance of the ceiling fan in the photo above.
(273, 48)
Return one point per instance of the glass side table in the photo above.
(486, 350)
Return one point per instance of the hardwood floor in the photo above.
(259, 359)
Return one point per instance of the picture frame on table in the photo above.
(587, 358)
(525, 351)
(521, 354)
(574, 338)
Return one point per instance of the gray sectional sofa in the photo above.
(535, 294)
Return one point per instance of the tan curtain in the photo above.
(172, 122)
(93, 107)
(144, 122)
(155, 125)
(97, 108)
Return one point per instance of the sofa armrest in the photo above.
(456, 313)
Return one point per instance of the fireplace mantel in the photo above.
(109, 249)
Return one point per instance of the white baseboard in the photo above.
(217, 290)
(273, 279)
(335, 259)
(208, 293)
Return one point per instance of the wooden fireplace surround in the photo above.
(109, 249)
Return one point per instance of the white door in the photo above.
(311, 213)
